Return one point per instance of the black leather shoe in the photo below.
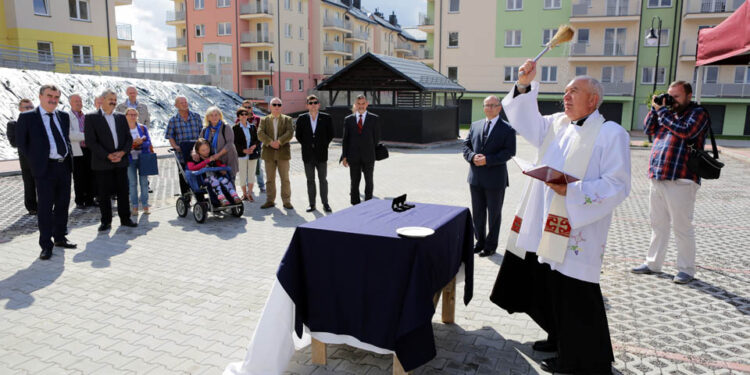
(478, 248)
(65, 244)
(327, 208)
(486, 253)
(310, 209)
(549, 364)
(32, 212)
(545, 346)
(46, 254)
(104, 227)
(129, 223)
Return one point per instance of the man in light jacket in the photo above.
(83, 177)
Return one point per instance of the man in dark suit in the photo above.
(314, 134)
(108, 137)
(42, 136)
(490, 144)
(29, 188)
(361, 136)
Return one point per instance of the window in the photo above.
(613, 74)
(742, 74)
(453, 73)
(583, 36)
(582, 71)
(659, 3)
(453, 39)
(647, 75)
(549, 74)
(41, 7)
(454, 6)
(514, 5)
(200, 31)
(299, 6)
(614, 41)
(288, 6)
(288, 30)
(663, 39)
(512, 38)
(82, 55)
(301, 85)
(223, 3)
(44, 52)
(288, 84)
(301, 59)
(199, 4)
(79, 9)
(547, 35)
(511, 74)
(301, 33)
(199, 57)
(225, 28)
(711, 74)
(552, 4)
(185, 58)
(288, 57)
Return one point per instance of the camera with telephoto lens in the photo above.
(664, 100)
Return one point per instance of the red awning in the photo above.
(728, 43)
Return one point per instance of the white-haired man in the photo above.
(565, 225)
(144, 118)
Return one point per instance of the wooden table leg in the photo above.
(397, 368)
(449, 302)
(318, 352)
(436, 298)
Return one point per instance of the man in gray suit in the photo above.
(490, 144)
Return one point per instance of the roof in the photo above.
(373, 72)
(383, 22)
(414, 34)
(355, 12)
(715, 48)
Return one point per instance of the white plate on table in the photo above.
(415, 232)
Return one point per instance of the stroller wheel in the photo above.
(182, 207)
(238, 210)
(200, 211)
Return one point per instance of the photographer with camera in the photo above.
(676, 123)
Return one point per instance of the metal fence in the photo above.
(256, 8)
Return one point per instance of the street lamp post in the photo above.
(270, 64)
(653, 37)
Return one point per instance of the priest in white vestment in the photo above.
(566, 225)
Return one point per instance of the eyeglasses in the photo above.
(491, 105)
(243, 114)
(248, 107)
(276, 104)
(27, 108)
(312, 103)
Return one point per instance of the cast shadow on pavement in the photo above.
(224, 227)
(742, 304)
(103, 247)
(17, 289)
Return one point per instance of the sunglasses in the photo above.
(276, 104)
(312, 103)
(243, 114)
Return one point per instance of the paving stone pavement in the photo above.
(172, 296)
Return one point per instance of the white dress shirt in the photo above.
(492, 121)
(314, 123)
(53, 152)
(111, 122)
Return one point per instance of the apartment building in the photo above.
(481, 45)
(281, 47)
(80, 32)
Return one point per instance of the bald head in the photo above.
(492, 107)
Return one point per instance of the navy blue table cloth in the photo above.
(351, 274)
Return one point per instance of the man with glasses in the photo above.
(490, 144)
(276, 131)
(255, 121)
(29, 187)
(314, 134)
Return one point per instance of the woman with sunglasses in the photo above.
(247, 144)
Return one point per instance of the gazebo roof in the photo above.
(373, 72)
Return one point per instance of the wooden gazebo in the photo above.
(416, 104)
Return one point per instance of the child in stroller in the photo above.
(217, 182)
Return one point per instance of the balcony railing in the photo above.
(331, 69)
(618, 88)
(712, 6)
(173, 16)
(724, 90)
(173, 42)
(687, 48)
(124, 31)
(263, 93)
(425, 20)
(256, 37)
(337, 22)
(355, 56)
(256, 66)
(254, 7)
(337, 47)
(361, 35)
(424, 54)
(600, 9)
(608, 49)
(403, 45)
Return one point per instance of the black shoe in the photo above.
(46, 254)
(327, 208)
(486, 253)
(32, 212)
(545, 346)
(478, 248)
(128, 223)
(310, 209)
(65, 244)
(549, 364)
(150, 190)
(104, 227)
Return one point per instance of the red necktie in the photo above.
(359, 124)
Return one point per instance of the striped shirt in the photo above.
(672, 133)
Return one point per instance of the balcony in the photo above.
(618, 88)
(724, 90)
(426, 23)
(125, 35)
(256, 39)
(258, 94)
(355, 56)
(606, 52)
(256, 67)
(337, 48)
(175, 17)
(403, 47)
(710, 9)
(337, 24)
(424, 54)
(357, 36)
(256, 9)
(331, 69)
(600, 12)
(687, 50)
(174, 44)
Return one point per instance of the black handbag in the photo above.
(702, 163)
(381, 152)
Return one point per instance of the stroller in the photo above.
(198, 188)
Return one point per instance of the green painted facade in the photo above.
(532, 14)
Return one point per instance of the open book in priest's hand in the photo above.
(544, 172)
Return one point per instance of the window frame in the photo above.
(585, 70)
(515, 8)
(226, 25)
(551, 33)
(458, 6)
(227, 2)
(588, 36)
(288, 4)
(288, 84)
(648, 4)
(301, 33)
(552, 6)
(80, 59)
(512, 71)
(199, 57)
(455, 69)
(662, 39)
(48, 57)
(513, 37)
(288, 58)
(78, 11)
(654, 76)
(46, 8)
(301, 85)
(301, 59)
(449, 39)
(288, 31)
(546, 72)
(202, 28)
(202, 4)
(745, 74)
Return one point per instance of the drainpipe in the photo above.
(278, 49)
(675, 54)
(440, 36)
(237, 48)
(109, 40)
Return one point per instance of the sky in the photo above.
(150, 30)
